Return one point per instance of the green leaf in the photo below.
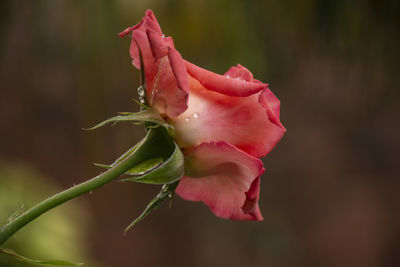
(167, 191)
(169, 171)
(37, 262)
(147, 115)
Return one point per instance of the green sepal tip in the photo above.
(147, 115)
(167, 191)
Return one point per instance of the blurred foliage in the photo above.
(59, 234)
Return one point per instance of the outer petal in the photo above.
(272, 104)
(224, 178)
(169, 90)
(267, 99)
(241, 121)
(166, 76)
(179, 70)
(240, 72)
(223, 84)
(149, 62)
(151, 21)
(139, 36)
(159, 47)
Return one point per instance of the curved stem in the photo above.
(12, 227)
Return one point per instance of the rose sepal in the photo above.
(156, 171)
(148, 115)
(167, 191)
(163, 165)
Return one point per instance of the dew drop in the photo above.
(187, 119)
(163, 36)
(141, 91)
(227, 76)
(196, 115)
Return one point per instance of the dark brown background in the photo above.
(330, 195)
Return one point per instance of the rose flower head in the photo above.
(223, 123)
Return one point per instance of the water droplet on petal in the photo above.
(196, 115)
(227, 76)
(163, 36)
(187, 119)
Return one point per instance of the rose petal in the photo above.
(170, 41)
(149, 63)
(241, 121)
(159, 47)
(252, 196)
(168, 94)
(151, 21)
(223, 84)
(272, 104)
(179, 69)
(166, 76)
(240, 72)
(224, 178)
(130, 29)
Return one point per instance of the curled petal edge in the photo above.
(223, 84)
(225, 178)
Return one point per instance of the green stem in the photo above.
(12, 227)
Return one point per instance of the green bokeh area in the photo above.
(59, 234)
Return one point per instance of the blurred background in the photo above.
(330, 195)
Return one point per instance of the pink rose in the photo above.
(223, 123)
